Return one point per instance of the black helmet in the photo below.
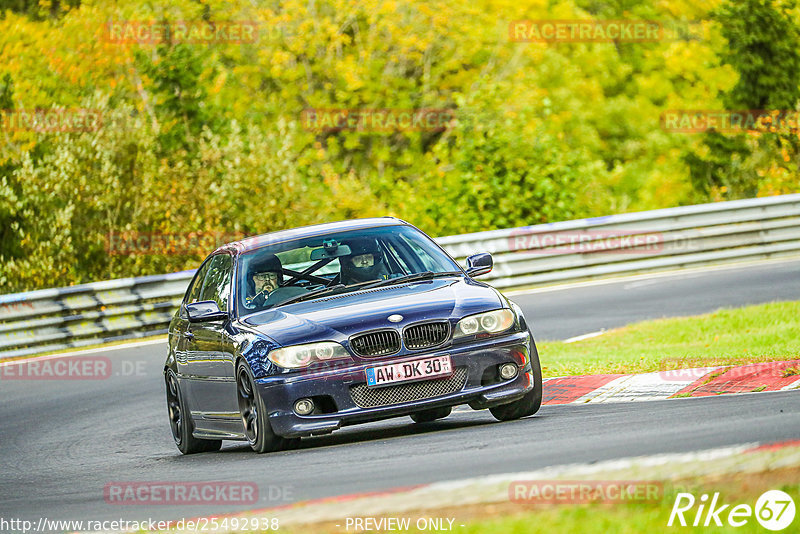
(352, 274)
(364, 245)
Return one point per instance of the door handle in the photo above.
(189, 335)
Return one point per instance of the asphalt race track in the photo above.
(63, 441)
(576, 311)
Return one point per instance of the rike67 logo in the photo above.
(774, 510)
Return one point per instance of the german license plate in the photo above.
(413, 370)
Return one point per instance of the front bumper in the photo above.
(481, 388)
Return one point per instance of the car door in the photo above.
(213, 385)
(182, 329)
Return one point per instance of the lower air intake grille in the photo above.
(366, 397)
(426, 335)
(381, 343)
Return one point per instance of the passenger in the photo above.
(364, 263)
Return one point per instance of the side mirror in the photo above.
(479, 264)
(207, 310)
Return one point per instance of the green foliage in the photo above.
(494, 177)
(179, 95)
(38, 9)
(7, 92)
(92, 185)
(725, 167)
(763, 40)
(203, 138)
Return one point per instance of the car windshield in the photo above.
(335, 263)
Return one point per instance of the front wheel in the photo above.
(531, 402)
(181, 423)
(255, 419)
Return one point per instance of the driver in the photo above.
(364, 263)
(266, 275)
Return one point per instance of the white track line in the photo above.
(584, 336)
(793, 385)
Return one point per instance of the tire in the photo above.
(531, 402)
(431, 415)
(257, 429)
(180, 420)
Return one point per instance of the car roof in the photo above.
(255, 242)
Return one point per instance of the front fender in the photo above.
(254, 349)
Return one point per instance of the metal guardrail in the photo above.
(53, 319)
(75, 316)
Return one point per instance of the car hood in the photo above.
(338, 317)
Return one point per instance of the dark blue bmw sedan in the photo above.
(299, 332)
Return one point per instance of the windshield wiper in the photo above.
(413, 277)
(311, 294)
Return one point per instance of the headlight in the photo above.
(297, 356)
(491, 322)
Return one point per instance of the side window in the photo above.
(217, 286)
(193, 293)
